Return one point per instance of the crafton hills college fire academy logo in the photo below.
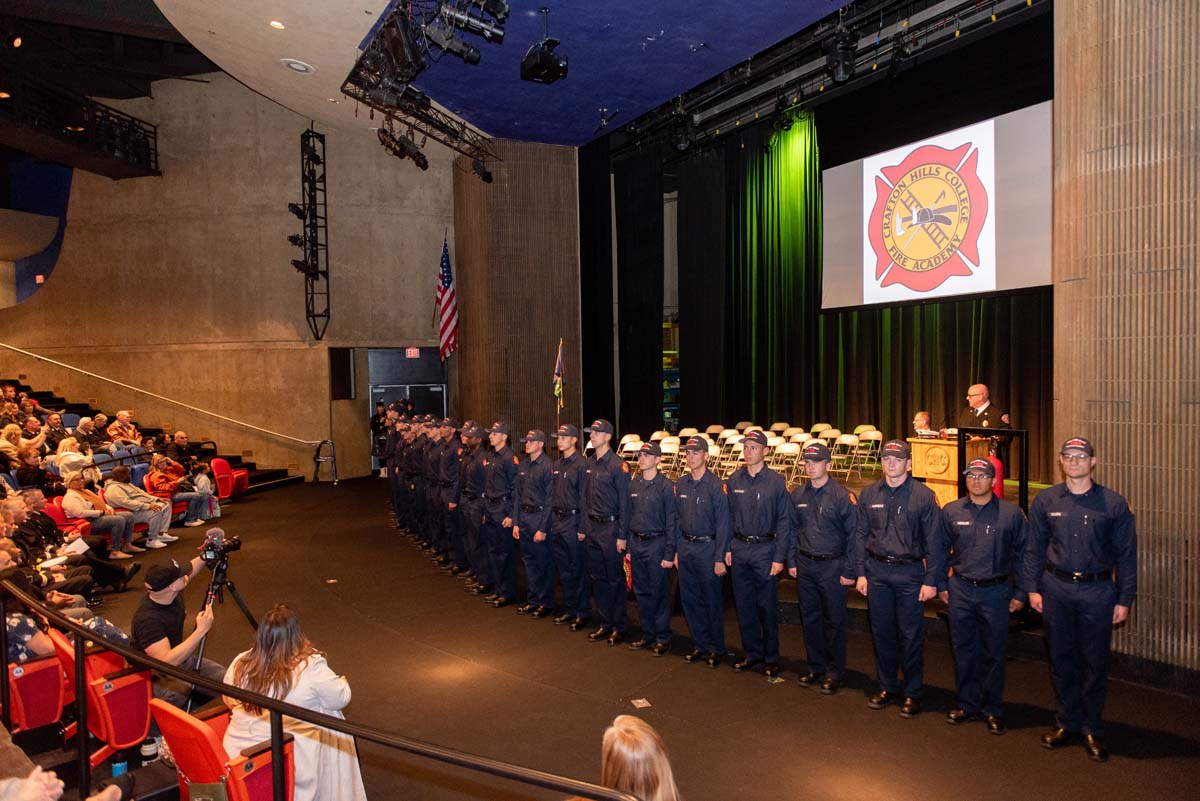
(929, 211)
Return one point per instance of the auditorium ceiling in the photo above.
(625, 56)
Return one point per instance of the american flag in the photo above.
(445, 308)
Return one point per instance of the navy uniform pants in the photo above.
(395, 484)
(702, 593)
(570, 560)
(1078, 619)
(897, 625)
(502, 555)
(418, 507)
(435, 518)
(476, 548)
(822, 602)
(539, 566)
(606, 568)
(756, 594)
(455, 537)
(651, 586)
(979, 634)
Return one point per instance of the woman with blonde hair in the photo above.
(633, 759)
(284, 664)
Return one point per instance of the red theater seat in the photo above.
(230, 482)
(36, 692)
(55, 510)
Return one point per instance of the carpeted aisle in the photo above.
(428, 661)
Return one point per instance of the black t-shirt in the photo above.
(153, 621)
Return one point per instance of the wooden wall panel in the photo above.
(1126, 231)
(517, 273)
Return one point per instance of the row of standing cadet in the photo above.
(478, 510)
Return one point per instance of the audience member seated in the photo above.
(633, 759)
(146, 508)
(32, 435)
(80, 502)
(157, 629)
(284, 664)
(70, 461)
(26, 633)
(30, 473)
(167, 479)
(10, 445)
(69, 580)
(9, 413)
(202, 480)
(90, 437)
(181, 450)
(37, 534)
(122, 431)
(75, 607)
(55, 431)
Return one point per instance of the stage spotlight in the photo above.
(478, 167)
(541, 64)
(304, 267)
(296, 239)
(312, 155)
(298, 210)
(681, 138)
(497, 8)
(839, 54)
(457, 18)
(402, 147)
(442, 36)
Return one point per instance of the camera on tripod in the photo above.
(218, 550)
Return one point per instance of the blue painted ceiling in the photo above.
(631, 55)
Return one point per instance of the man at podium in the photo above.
(980, 411)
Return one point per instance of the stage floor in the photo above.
(430, 662)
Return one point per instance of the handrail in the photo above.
(451, 756)
(155, 395)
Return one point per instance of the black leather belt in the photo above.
(560, 512)
(497, 497)
(646, 535)
(602, 518)
(817, 557)
(1077, 578)
(695, 538)
(529, 508)
(471, 496)
(747, 538)
(988, 582)
(893, 560)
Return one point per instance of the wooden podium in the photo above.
(936, 461)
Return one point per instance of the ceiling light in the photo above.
(277, 25)
(480, 169)
(16, 42)
(296, 65)
(4, 95)
(839, 54)
(75, 128)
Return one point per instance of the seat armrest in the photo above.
(263, 747)
(129, 671)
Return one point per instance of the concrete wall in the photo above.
(182, 284)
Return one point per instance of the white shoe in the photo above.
(165, 537)
(194, 523)
(155, 544)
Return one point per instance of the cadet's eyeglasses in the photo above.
(1075, 457)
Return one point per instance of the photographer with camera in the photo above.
(157, 626)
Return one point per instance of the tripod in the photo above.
(216, 594)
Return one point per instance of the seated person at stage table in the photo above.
(284, 664)
(980, 412)
(921, 422)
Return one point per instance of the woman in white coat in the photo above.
(283, 664)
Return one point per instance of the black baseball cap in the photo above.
(1077, 444)
(696, 444)
(164, 574)
(981, 467)
(535, 435)
(755, 436)
(567, 430)
(601, 426)
(896, 447)
(500, 427)
(451, 422)
(650, 449)
(817, 452)
(472, 430)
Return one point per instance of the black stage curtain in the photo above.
(595, 282)
(639, 218)
(702, 269)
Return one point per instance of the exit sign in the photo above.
(412, 353)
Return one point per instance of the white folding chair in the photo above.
(774, 442)
(785, 458)
(714, 431)
(732, 460)
(629, 451)
(629, 438)
(714, 458)
(743, 425)
(818, 428)
(670, 456)
(844, 455)
(790, 432)
(776, 428)
(864, 427)
(828, 435)
(800, 437)
(657, 435)
(684, 433)
(869, 445)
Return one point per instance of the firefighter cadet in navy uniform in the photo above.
(416, 481)
(470, 505)
(1080, 535)
(531, 515)
(758, 507)
(824, 518)
(435, 521)
(448, 497)
(899, 559)
(392, 455)
(699, 553)
(605, 506)
(647, 533)
(499, 484)
(985, 537)
(570, 554)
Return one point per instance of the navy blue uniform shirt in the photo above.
(823, 521)
(567, 478)
(703, 510)
(450, 453)
(499, 484)
(903, 522)
(758, 507)
(606, 488)
(533, 491)
(651, 507)
(1087, 533)
(985, 541)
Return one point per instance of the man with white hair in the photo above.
(123, 432)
